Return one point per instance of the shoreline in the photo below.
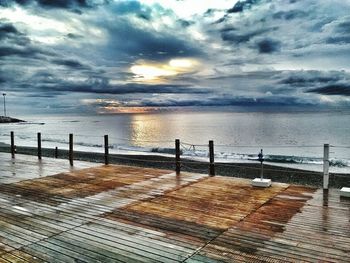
(242, 170)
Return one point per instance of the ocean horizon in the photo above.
(288, 139)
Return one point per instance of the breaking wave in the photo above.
(220, 156)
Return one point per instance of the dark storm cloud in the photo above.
(312, 78)
(133, 42)
(63, 3)
(50, 3)
(102, 86)
(338, 40)
(268, 45)
(74, 36)
(289, 15)
(241, 59)
(185, 23)
(6, 29)
(343, 27)
(302, 81)
(242, 5)
(340, 31)
(70, 63)
(10, 35)
(334, 89)
(313, 82)
(15, 43)
(217, 101)
(293, 29)
(7, 3)
(237, 36)
(43, 95)
(25, 52)
(23, 49)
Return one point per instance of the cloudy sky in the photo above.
(111, 56)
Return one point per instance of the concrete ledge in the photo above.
(261, 182)
(345, 192)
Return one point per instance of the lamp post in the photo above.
(4, 94)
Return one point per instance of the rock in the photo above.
(4, 119)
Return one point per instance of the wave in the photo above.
(164, 150)
(282, 159)
(31, 123)
(292, 159)
(306, 160)
(220, 156)
(63, 141)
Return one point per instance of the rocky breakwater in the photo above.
(4, 119)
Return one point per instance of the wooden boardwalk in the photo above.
(129, 214)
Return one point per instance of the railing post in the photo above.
(211, 159)
(13, 147)
(71, 149)
(56, 152)
(177, 156)
(39, 145)
(106, 149)
(325, 166)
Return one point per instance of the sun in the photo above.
(182, 63)
(151, 72)
(148, 71)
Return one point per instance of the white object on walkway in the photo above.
(261, 182)
(345, 192)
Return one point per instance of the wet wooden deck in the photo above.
(128, 214)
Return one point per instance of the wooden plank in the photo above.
(21, 257)
(109, 249)
(130, 214)
(155, 233)
(282, 217)
(209, 202)
(115, 243)
(137, 238)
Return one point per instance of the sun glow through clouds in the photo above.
(150, 71)
(181, 63)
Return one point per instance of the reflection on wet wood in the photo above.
(129, 214)
(291, 227)
(58, 188)
(217, 202)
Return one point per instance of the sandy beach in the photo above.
(243, 170)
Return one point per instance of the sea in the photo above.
(293, 139)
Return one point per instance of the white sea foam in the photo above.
(238, 137)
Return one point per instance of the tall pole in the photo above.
(177, 156)
(106, 149)
(4, 94)
(13, 150)
(211, 159)
(71, 149)
(39, 145)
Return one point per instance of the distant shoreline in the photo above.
(243, 170)
(6, 119)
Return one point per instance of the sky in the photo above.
(114, 56)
